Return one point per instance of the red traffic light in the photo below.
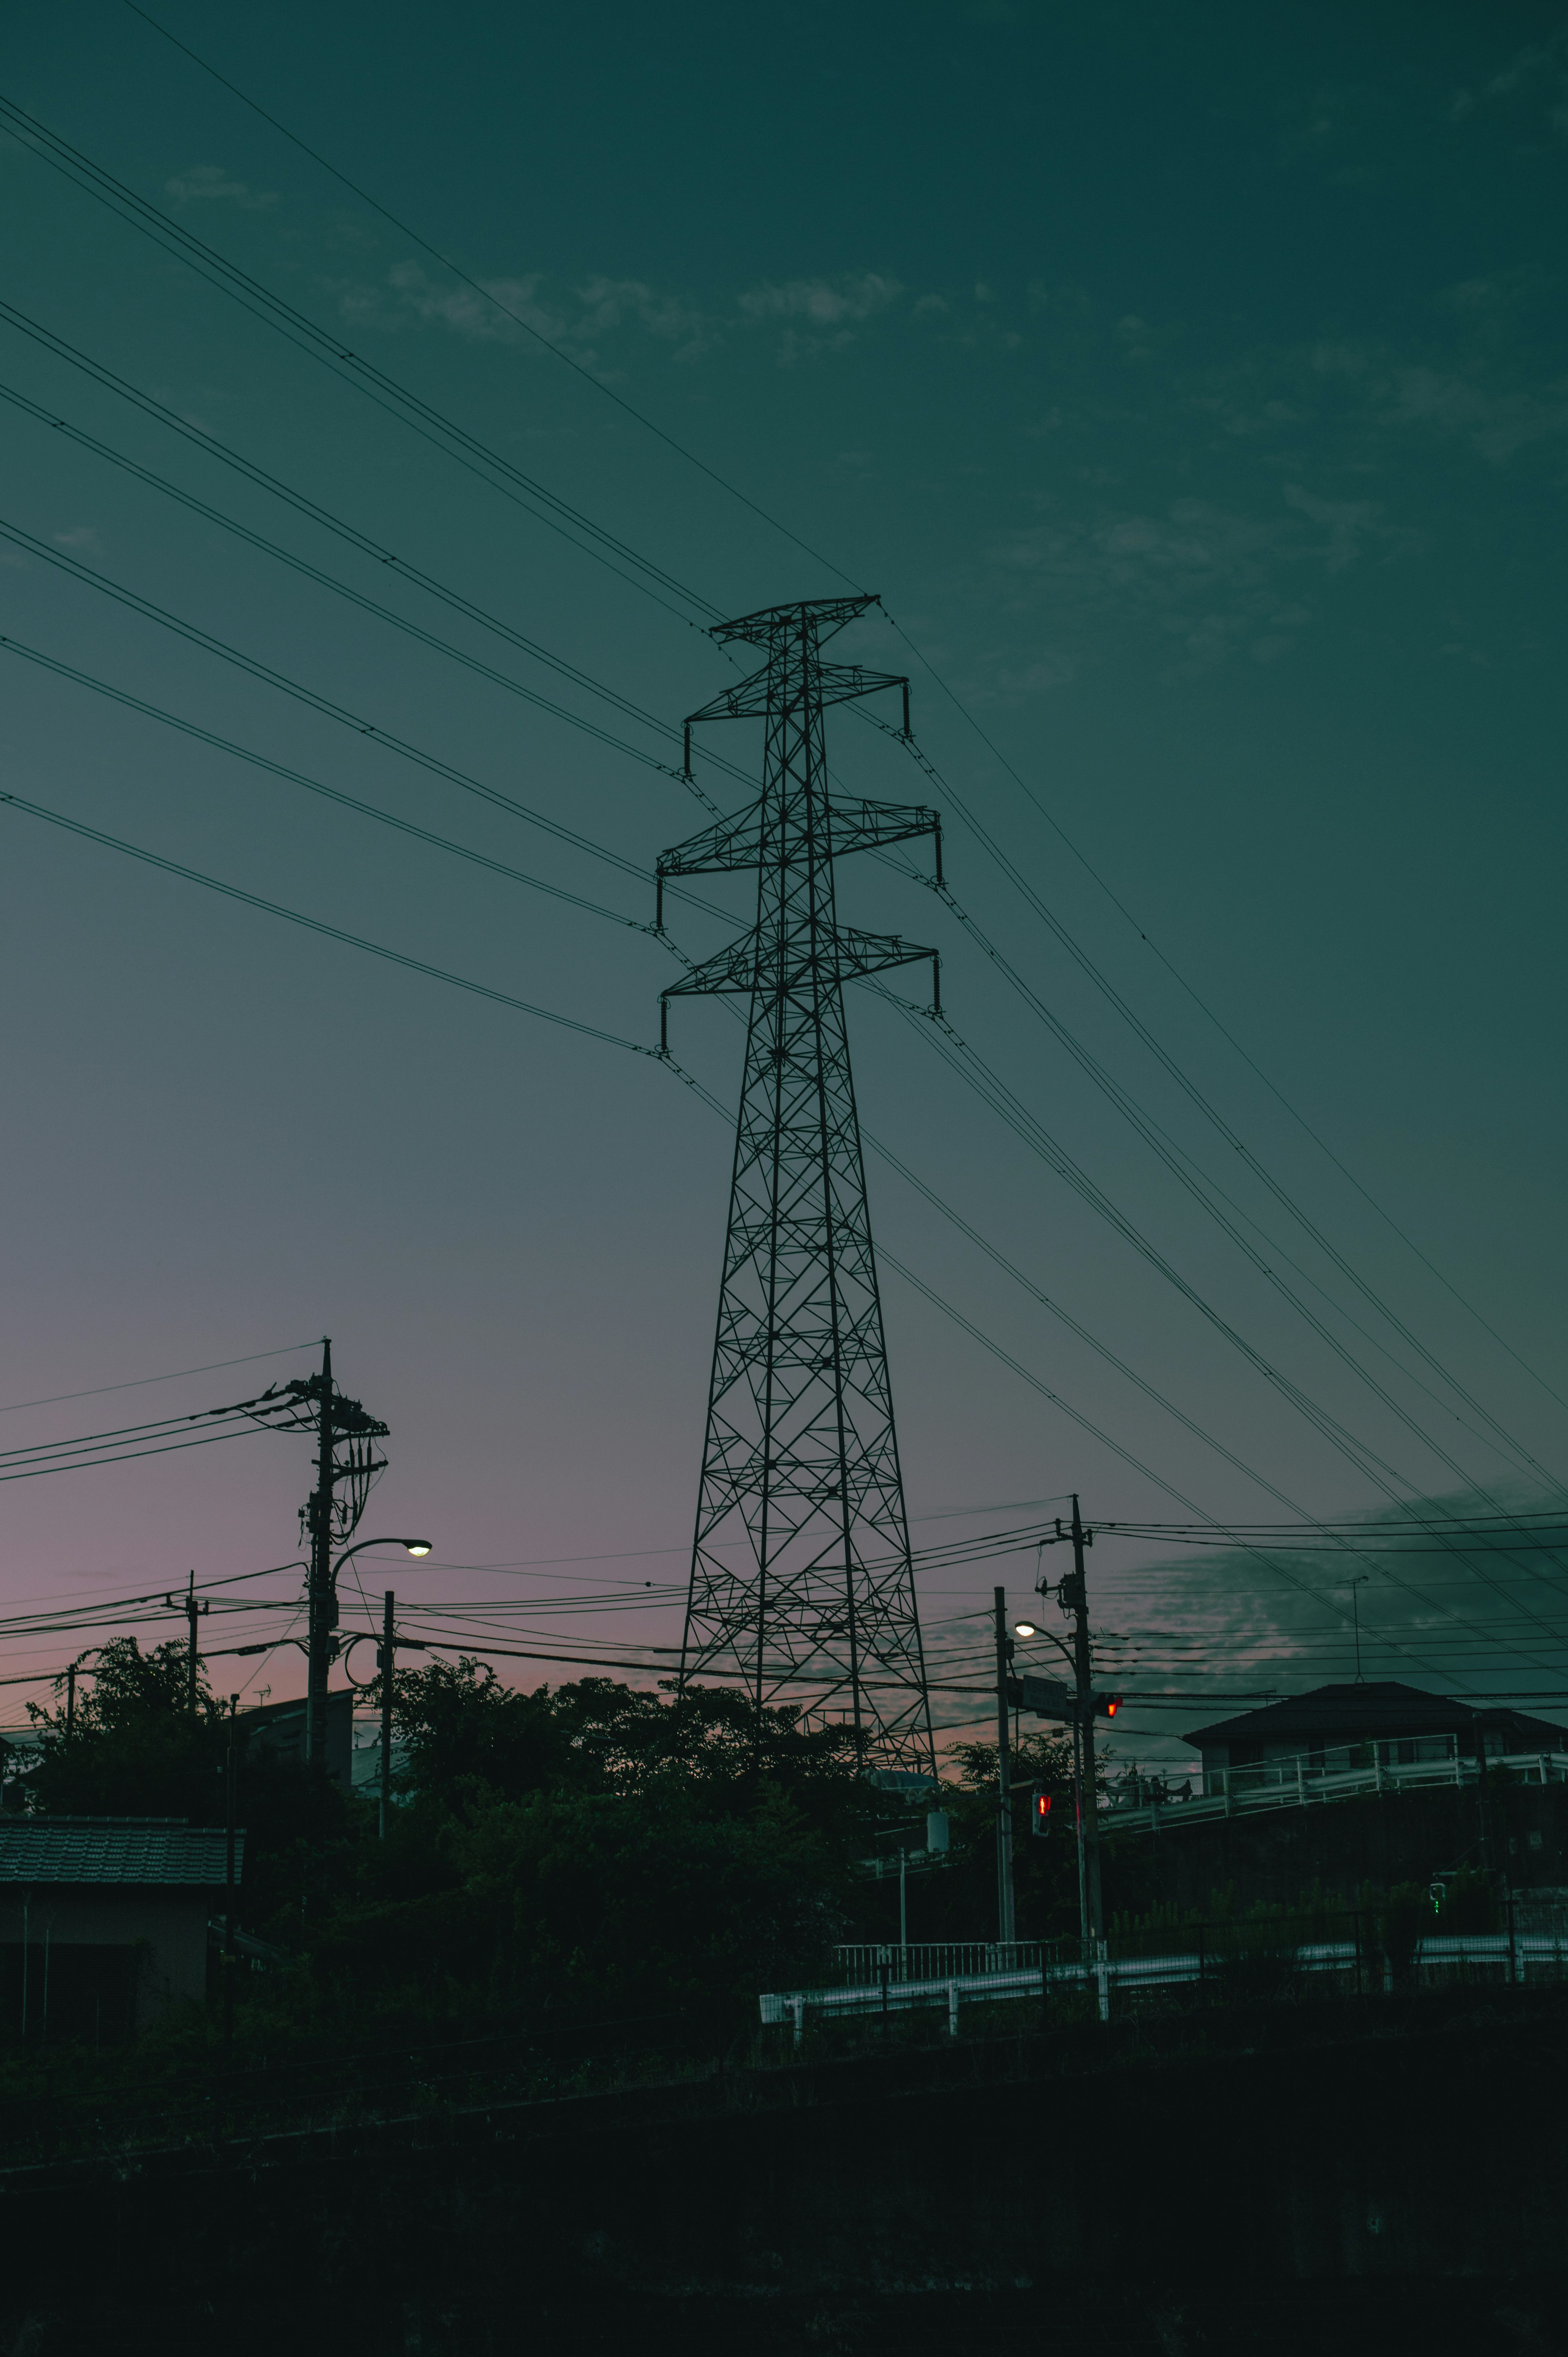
(1039, 1813)
(1113, 1705)
(1105, 1705)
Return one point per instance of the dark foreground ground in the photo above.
(1320, 2178)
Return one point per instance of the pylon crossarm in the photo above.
(731, 969)
(861, 953)
(847, 683)
(733, 842)
(866, 826)
(746, 700)
(827, 614)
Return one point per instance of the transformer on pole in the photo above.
(801, 1571)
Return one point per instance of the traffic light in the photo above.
(1039, 1813)
(1105, 1706)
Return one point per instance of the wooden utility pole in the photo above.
(322, 1603)
(385, 1662)
(229, 1879)
(1005, 1929)
(1075, 1596)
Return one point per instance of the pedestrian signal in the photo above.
(1039, 1813)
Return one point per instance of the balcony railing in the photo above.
(1297, 1783)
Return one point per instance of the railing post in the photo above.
(798, 2007)
(952, 2009)
(1301, 1783)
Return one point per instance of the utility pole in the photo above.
(1076, 1598)
(1072, 1593)
(800, 1566)
(385, 1662)
(345, 1453)
(229, 1879)
(321, 1615)
(1004, 1911)
(193, 1607)
(70, 1701)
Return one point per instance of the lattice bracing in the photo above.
(800, 1572)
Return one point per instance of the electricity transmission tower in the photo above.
(801, 1572)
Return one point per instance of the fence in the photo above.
(1297, 1784)
(863, 1965)
(1268, 1957)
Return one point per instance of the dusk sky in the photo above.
(1192, 386)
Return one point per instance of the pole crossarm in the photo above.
(829, 615)
(845, 958)
(852, 825)
(835, 684)
(801, 1566)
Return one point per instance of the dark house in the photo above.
(279, 1728)
(1355, 1726)
(104, 1922)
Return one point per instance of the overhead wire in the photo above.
(1207, 1012)
(319, 925)
(403, 571)
(183, 238)
(208, 736)
(1367, 1459)
(1156, 1139)
(237, 281)
(139, 1382)
(419, 966)
(491, 296)
(466, 449)
(234, 281)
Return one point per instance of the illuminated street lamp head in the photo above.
(1024, 1629)
(417, 1546)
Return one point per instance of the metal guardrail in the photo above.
(1512, 1953)
(1296, 1784)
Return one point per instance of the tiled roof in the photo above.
(113, 1849)
(1380, 1709)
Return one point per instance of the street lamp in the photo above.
(322, 1647)
(385, 1658)
(410, 1546)
(1024, 1629)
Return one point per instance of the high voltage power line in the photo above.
(239, 284)
(508, 999)
(442, 975)
(499, 303)
(988, 1086)
(421, 416)
(1160, 1141)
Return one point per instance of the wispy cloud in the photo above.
(1216, 581)
(504, 310)
(209, 184)
(1533, 83)
(820, 314)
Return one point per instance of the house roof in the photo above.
(138, 1850)
(1344, 1714)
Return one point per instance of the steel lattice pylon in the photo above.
(801, 1571)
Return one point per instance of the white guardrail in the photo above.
(1296, 1784)
(1514, 1954)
